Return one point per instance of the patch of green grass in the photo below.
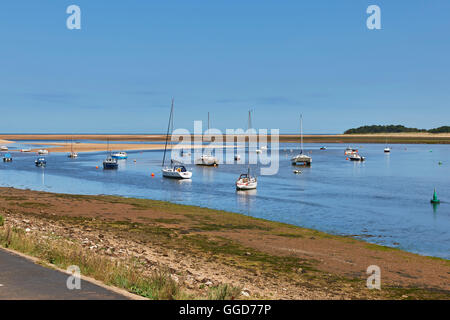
(2, 221)
(377, 247)
(289, 235)
(412, 293)
(166, 220)
(124, 274)
(224, 292)
(228, 226)
(14, 198)
(249, 258)
(33, 205)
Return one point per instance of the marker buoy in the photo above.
(435, 198)
(153, 174)
(346, 158)
(96, 167)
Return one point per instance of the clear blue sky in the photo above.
(281, 58)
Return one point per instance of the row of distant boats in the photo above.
(246, 180)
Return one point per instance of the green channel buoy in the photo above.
(435, 198)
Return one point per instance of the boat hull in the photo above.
(357, 158)
(246, 185)
(207, 161)
(119, 157)
(110, 166)
(301, 160)
(174, 174)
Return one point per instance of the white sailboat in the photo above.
(42, 152)
(72, 154)
(246, 181)
(357, 157)
(387, 149)
(301, 159)
(174, 171)
(207, 159)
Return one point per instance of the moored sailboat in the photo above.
(301, 159)
(246, 181)
(109, 163)
(72, 154)
(174, 171)
(207, 159)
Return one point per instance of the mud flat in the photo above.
(204, 250)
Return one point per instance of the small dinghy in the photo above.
(40, 162)
(350, 151)
(3, 148)
(120, 155)
(42, 152)
(357, 157)
(110, 163)
(297, 171)
(7, 157)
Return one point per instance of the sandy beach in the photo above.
(390, 138)
(98, 147)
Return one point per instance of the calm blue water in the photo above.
(385, 200)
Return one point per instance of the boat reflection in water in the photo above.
(246, 200)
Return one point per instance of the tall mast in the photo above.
(208, 120)
(168, 129)
(249, 132)
(301, 133)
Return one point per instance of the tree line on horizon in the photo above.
(394, 129)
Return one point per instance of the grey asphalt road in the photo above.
(21, 278)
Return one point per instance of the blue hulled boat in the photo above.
(40, 162)
(7, 157)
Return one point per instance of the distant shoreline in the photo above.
(383, 138)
